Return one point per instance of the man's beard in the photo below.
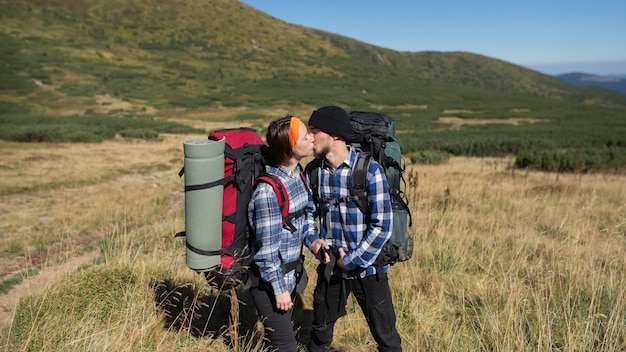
(318, 154)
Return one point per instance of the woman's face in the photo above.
(304, 143)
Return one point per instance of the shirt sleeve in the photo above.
(310, 232)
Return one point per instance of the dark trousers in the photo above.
(374, 297)
(278, 326)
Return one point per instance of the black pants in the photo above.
(278, 326)
(374, 297)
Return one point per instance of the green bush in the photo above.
(250, 116)
(190, 102)
(573, 160)
(139, 133)
(26, 127)
(429, 157)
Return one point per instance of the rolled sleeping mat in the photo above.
(204, 173)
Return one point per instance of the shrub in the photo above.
(249, 116)
(572, 160)
(25, 127)
(139, 133)
(429, 157)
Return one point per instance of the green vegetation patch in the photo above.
(568, 139)
(429, 157)
(29, 127)
(207, 55)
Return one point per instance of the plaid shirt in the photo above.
(275, 244)
(344, 225)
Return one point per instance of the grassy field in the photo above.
(505, 260)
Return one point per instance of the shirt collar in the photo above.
(285, 173)
(348, 161)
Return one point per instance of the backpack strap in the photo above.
(290, 216)
(190, 188)
(358, 180)
(303, 178)
(313, 169)
(283, 198)
(398, 197)
(197, 250)
(221, 181)
(378, 145)
(247, 150)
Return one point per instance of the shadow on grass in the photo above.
(184, 308)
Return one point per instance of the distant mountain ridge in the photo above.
(617, 84)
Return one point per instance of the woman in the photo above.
(278, 246)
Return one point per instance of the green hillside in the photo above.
(61, 58)
(222, 51)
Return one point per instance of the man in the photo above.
(349, 240)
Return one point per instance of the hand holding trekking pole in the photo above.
(320, 249)
(283, 301)
(340, 259)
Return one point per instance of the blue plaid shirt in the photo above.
(275, 244)
(344, 225)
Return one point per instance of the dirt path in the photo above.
(38, 282)
(65, 248)
(48, 273)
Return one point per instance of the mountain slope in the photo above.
(208, 52)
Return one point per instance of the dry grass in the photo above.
(509, 260)
(458, 122)
(55, 193)
(504, 260)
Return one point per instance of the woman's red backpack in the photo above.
(245, 157)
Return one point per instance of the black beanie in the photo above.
(332, 120)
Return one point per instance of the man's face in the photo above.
(321, 142)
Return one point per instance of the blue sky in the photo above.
(550, 36)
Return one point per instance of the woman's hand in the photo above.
(340, 263)
(283, 301)
(322, 256)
